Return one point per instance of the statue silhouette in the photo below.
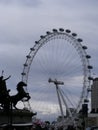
(3, 87)
(20, 95)
(4, 93)
(6, 99)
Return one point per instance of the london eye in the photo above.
(58, 73)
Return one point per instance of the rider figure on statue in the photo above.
(3, 87)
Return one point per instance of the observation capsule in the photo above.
(55, 30)
(74, 34)
(90, 78)
(79, 40)
(90, 67)
(23, 73)
(86, 100)
(32, 49)
(84, 47)
(36, 42)
(25, 65)
(42, 36)
(88, 56)
(89, 90)
(48, 32)
(61, 29)
(28, 56)
(68, 31)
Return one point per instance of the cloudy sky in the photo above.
(23, 21)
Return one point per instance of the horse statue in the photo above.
(6, 100)
(21, 95)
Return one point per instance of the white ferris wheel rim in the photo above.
(80, 49)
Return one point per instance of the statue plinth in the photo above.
(16, 116)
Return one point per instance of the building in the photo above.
(92, 120)
(16, 116)
(94, 96)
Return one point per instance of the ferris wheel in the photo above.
(58, 73)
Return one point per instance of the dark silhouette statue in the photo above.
(21, 95)
(6, 100)
(3, 87)
(4, 93)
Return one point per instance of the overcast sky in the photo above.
(23, 21)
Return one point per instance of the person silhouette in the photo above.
(3, 87)
(4, 93)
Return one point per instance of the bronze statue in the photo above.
(20, 95)
(6, 99)
(3, 87)
(4, 93)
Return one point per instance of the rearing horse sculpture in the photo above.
(6, 99)
(20, 95)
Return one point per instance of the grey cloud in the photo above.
(29, 3)
(20, 27)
